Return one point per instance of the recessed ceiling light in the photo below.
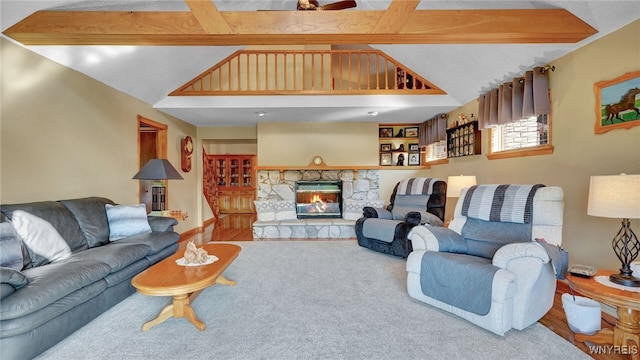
(261, 113)
(373, 113)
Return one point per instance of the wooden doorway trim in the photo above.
(160, 151)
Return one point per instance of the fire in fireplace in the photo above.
(319, 199)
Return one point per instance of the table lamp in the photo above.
(157, 169)
(455, 184)
(618, 196)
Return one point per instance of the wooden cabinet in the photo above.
(399, 145)
(235, 178)
(464, 140)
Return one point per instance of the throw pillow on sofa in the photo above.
(43, 241)
(127, 220)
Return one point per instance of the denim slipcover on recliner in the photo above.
(42, 305)
(413, 201)
(486, 267)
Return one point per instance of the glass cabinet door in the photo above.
(234, 172)
(247, 173)
(221, 172)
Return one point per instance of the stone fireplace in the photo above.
(276, 203)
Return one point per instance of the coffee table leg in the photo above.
(164, 314)
(224, 281)
(179, 308)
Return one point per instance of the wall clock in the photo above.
(317, 161)
(186, 150)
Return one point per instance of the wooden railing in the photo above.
(209, 186)
(311, 72)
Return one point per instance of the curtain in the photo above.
(521, 98)
(433, 130)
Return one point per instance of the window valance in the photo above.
(433, 130)
(521, 98)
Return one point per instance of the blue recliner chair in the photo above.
(413, 201)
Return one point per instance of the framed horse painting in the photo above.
(618, 103)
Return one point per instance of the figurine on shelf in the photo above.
(400, 160)
(400, 133)
(401, 147)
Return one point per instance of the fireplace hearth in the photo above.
(318, 199)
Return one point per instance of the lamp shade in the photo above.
(614, 196)
(455, 184)
(158, 169)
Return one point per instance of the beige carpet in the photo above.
(305, 300)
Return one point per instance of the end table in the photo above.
(627, 330)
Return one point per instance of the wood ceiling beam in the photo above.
(300, 27)
(398, 12)
(208, 17)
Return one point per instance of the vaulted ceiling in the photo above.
(149, 48)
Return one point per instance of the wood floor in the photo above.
(237, 227)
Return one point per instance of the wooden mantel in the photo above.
(354, 168)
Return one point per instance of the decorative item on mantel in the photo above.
(618, 196)
(317, 161)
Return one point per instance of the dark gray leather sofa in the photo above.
(61, 297)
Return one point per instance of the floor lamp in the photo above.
(156, 169)
(618, 196)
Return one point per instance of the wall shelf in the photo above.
(464, 140)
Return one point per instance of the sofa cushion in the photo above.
(92, 218)
(116, 255)
(58, 215)
(11, 255)
(127, 220)
(49, 283)
(156, 241)
(12, 277)
(22, 324)
(41, 238)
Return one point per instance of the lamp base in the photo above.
(625, 280)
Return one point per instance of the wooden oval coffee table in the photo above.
(184, 283)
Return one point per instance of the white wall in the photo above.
(65, 135)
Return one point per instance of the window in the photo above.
(437, 151)
(526, 137)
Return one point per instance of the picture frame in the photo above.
(385, 159)
(411, 132)
(385, 147)
(617, 101)
(414, 147)
(414, 159)
(385, 132)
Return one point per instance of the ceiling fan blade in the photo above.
(340, 5)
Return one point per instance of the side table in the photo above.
(626, 333)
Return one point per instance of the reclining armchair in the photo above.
(413, 201)
(487, 266)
